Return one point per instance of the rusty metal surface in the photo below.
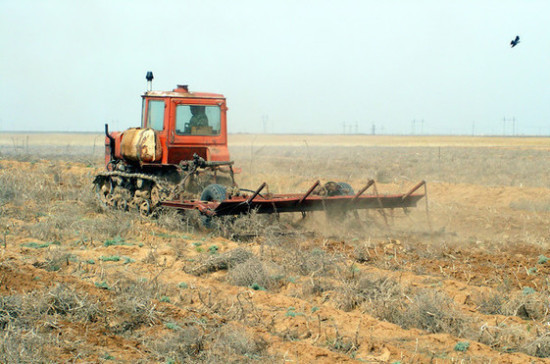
(295, 203)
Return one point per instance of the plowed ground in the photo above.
(465, 280)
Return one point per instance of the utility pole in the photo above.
(373, 129)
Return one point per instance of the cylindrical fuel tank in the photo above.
(141, 145)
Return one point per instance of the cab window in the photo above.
(198, 119)
(155, 115)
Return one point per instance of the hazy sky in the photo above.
(308, 66)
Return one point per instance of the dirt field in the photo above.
(465, 281)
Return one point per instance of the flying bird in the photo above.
(514, 42)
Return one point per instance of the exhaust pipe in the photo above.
(149, 77)
(111, 142)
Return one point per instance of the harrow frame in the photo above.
(279, 203)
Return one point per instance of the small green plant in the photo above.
(165, 299)
(196, 243)
(111, 258)
(35, 245)
(532, 270)
(462, 346)
(183, 285)
(108, 356)
(38, 245)
(314, 309)
(102, 285)
(213, 249)
(172, 326)
(256, 287)
(542, 259)
(90, 261)
(128, 260)
(527, 291)
(291, 312)
(116, 241)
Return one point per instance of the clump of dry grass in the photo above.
(135, 302)
(245, 226)
(254, 273)
(386, 299)
(309, 261)
(11, 309)
(194, 342)
(525, 304)
(174, 220)
(316, 286)
(26, 310)
(435, 312)
(65, 301)
(376, 294)
(27, 321)
(211, 263)
(22, 346)
(540, 347)
(232, 344)
(10, 189)
(184, 345)
(532, 339)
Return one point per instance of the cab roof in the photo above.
(183, 91)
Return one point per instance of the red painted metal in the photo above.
(256, 193)
(412, 190)
(362, 190)
(176, 148)
(267, 204)
(302, 199)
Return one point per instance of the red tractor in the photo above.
(179, 158)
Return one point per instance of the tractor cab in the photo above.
(187, 123)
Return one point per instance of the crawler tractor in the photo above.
(179, 159)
